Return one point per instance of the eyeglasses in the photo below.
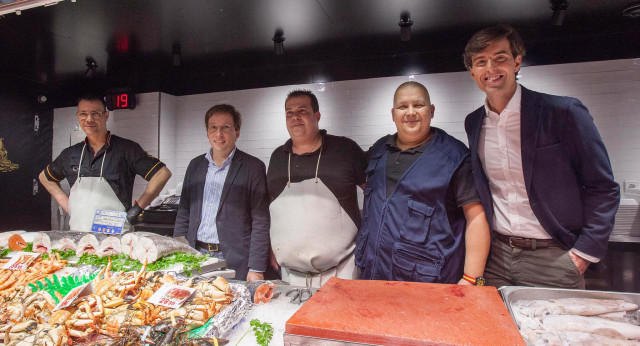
(223, 129)
(95, 115)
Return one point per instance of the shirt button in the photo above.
(397, 163)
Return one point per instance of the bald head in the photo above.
(411, 84)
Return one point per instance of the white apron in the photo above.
(89, 194)
(312, 237)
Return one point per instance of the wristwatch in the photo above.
(479, 281)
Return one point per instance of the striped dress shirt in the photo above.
(207, 231)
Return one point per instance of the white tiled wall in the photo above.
(360, 109)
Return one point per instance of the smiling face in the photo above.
(302, 121)
(92, 118)
(412, 112)
(222, 134)
(494, 69)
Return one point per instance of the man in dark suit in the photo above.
(541, 169)
(224, 206)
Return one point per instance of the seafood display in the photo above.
(564, 321)
(116, 309)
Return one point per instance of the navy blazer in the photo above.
(566, 169)
(243, 215)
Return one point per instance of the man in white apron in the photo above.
(312, 181)
(101, 171)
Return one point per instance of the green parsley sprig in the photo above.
(262, 330)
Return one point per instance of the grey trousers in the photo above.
(548, 267)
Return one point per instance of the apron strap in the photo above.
(289, 168)
(82, 156)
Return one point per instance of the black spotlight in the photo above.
(92, 65)
(559, 8)
(405, 24)
(176, 53)
(278, 42)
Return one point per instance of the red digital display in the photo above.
(121, 100)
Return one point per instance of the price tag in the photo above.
(21, 260)
(74, 294)
(171, 296)
(108, 221)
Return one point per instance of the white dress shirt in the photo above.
(499, 150)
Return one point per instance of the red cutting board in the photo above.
(405, 313)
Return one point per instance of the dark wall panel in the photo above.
(26, 130)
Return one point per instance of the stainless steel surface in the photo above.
(512, 294)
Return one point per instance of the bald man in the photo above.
(422, 218)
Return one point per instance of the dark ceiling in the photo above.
(226, 44)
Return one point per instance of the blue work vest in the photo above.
(409, 236)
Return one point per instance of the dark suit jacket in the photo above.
(566, 169)
(243, 216)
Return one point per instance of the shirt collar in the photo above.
(391, 143)
(513, 106)
(106, 146)
(226, 162)
(288, 145)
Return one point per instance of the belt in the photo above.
(208, 246)
(526, 243)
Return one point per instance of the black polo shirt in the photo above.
(124, 159)
(342, 167)
(462, 189)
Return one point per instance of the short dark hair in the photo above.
(93, 97)
(315, 106)
(227, 109)
(483, 38)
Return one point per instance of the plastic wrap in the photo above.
(221, 323)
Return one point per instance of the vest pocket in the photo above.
(415, 264)
(415, 227)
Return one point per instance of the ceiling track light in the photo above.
(278, 42)
(92, 66)
(405, 24)
(559, 8)
(632, 10)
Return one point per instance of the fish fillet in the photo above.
(41, 243)
(64, 244)
(4, 237)
(127, 243)
(574, 306)
(109, 246)
(151, 247)
(88, 244)
(592, 325)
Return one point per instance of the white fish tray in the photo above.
(512, 294)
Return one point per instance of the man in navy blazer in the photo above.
(541, 169)
(224, 206)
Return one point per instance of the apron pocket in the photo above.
(415, 227)
(413, 264)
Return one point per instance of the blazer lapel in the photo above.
(530, 114)
(200, 177)
(476, 127)
(236, 163)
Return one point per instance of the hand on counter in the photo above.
(255, 276)
(580, 262)
(133, 212)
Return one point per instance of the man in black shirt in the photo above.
(312, 182)
(101, 171)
